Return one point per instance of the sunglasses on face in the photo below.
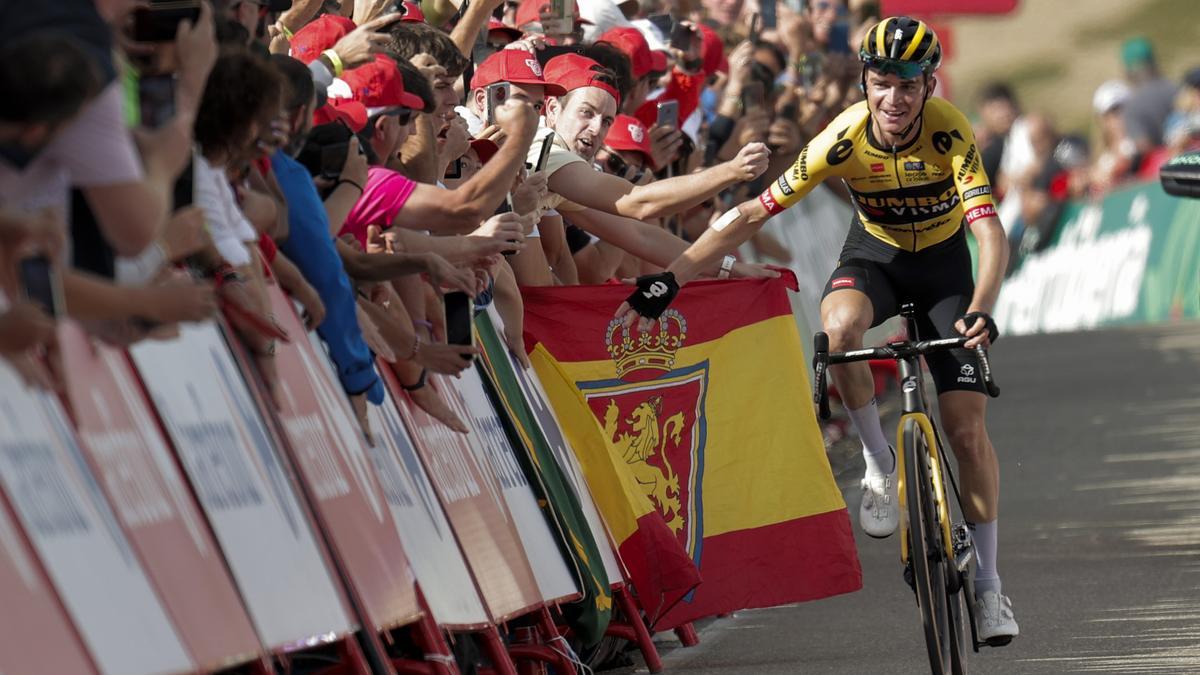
(619, 167)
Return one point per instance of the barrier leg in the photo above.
(634, 630)
(687, 634)
(493, 646)
(432, 642)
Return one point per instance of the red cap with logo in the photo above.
(628, 133)
(319, 35)
(412, 13)
(575, 71)
(528, 12)
(513, 65)
(631, 41)
(484, 149)
(379, 85)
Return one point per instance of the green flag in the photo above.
(589, 617)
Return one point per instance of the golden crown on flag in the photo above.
(651, 350)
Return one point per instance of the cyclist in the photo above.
(910, 163)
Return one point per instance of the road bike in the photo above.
(935, 545)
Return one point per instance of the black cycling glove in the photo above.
(971, 317)
(654, 294)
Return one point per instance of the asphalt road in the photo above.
(1099, 442)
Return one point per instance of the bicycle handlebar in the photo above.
(823, 358)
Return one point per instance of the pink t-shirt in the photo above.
(383, 196)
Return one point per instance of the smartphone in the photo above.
(681, 37)
(753, 95)
(156, 99)
(333, 158)
(768, 14)
(454, 171)
(563, 22)
(159, 21)
(459, 329)
(495, 96)
(668, 114)
(544, 153)
(755, 28)
(41, 284)
(839, 37)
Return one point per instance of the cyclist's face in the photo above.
(895, 102)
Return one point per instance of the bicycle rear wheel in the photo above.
(926, 552)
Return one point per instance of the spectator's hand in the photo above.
(314, 309)
(796, 31)
(664, 144)
(505, 228)
(355, 167)
(527, 193)
(23, 235)
(741, 270)
(750, 162)
(750, 128)
(369, 10)
(443, 274)
(24, 326)
(184, 234)
(783, 137)
(444, 359)
(196, 50)
(741, 60)
(371, 334)
(517, 119)
(493, 133)
(530, 43)
(458, 140)
(32, 371)
(179, 299)
(360, 45)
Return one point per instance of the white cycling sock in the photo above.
(986, 578)
(876, 451)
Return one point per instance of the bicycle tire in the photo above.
(928, 560)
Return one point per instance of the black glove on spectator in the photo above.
(970, 318)
(654, 294)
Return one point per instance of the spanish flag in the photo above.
(700, 444)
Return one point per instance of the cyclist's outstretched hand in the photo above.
(980, 327)
(648, 301)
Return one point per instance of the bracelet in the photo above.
(415, 348)
(347, 180)
(726, 266)
(287, 32)
(336, 61)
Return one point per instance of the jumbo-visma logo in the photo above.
(653, 418)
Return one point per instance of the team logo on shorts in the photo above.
(967, 374)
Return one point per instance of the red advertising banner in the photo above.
(929, 7)
(36, 637)
(327, 447)
(475, 506)
(150, 496)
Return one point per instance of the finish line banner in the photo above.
(700, 443)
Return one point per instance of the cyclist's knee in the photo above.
(969, 441)
(845, 328)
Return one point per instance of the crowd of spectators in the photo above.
(1140, 121)
(163, 162)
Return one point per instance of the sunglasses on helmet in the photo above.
(908, 70)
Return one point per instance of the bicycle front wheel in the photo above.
(926, 551)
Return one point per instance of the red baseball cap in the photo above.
(575, 71)
(379, 85)
(496, 25)
(712, 52)
(513, 65)
(484, 149)
(631, 41)
(412, 13)
(527, 13)
(319, 35)
(628, 133)
(345, 110)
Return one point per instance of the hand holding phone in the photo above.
(459, 320)
(495, 96)
(41, 284)
(753, 95)
(159, 21)
(544, 153)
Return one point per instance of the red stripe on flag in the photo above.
(661, 572)
(711, 309)
(798, 560)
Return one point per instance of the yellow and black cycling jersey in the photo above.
(910, 197)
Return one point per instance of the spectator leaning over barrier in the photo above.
(1151, 96)
(1118, 154)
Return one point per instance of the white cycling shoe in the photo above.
(994, 620)
(879, 513)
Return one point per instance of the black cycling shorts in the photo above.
(938, 280)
